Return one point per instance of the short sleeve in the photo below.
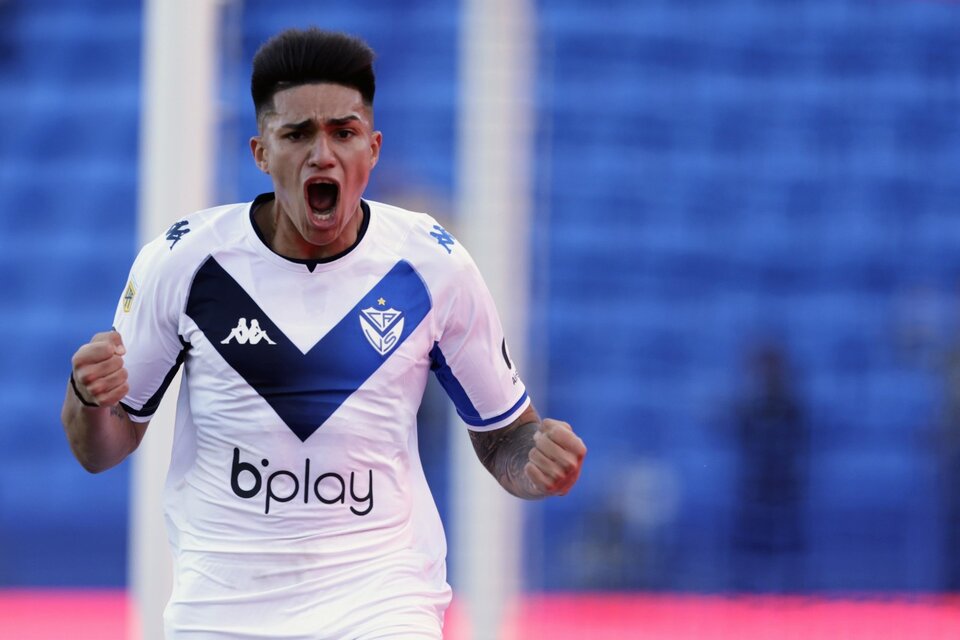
(471, 359)
(147, 319)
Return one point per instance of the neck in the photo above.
(284, 239)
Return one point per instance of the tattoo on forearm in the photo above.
(505, 453)
(117, 412)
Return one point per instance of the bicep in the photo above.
(137, 429)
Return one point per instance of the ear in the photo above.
(376, 140)
(259, 154)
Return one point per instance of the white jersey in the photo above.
(295, 501)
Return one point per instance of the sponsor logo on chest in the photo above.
(283, 485)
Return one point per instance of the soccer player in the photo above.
(307, 322)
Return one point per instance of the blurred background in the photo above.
(745, 282)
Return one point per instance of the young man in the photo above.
(307, 322)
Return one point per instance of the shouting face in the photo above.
(318, 145)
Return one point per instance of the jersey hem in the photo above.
(136, 415)
(502, 420)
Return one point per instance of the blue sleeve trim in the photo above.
(475, 422)
(465, 408)
(450, 384)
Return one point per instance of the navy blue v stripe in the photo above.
(303, 389)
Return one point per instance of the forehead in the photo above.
(319, 101)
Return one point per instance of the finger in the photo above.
(539, 480)
(113, 396)
(558, 479)
(112, 338)
(545, 483)
(93, 353)
(105, 388)
(549, 468)
(562, 434)
(87, 374)
(561, 457)
(549, 424)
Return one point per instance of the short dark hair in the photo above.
(305, 56)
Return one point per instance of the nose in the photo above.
(321, 154)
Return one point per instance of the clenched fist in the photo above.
(556, 457)
(98, 370)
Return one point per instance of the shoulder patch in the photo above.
(129, 294)
(176, 231)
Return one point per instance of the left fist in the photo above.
(556, 458)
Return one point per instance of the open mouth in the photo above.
(322, 197)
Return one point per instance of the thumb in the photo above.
(114, 338)
(549, 423)
(117, 341)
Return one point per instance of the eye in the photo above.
(293, 135)
(345, 134)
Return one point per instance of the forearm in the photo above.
(505, 453)
(100, 437)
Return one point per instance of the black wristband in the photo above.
(73, 383)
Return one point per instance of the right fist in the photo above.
(98, 369)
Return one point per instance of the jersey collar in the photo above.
(311, 264)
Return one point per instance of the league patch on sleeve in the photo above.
(514, 375)
(129, 294)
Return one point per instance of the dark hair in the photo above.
(304, 56)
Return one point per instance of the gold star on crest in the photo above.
(381, 302)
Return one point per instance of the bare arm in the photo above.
(100, 432)
(529, 458)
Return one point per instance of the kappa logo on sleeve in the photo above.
(176, 231)
(443, 237)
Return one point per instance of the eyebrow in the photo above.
(333, 122)
(339, 122)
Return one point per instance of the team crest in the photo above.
(382, 328)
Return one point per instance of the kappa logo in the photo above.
(381, 328)
(247, 335)
(176, 231)
(443, 237)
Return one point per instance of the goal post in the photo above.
(177, 143)
(494, 202)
